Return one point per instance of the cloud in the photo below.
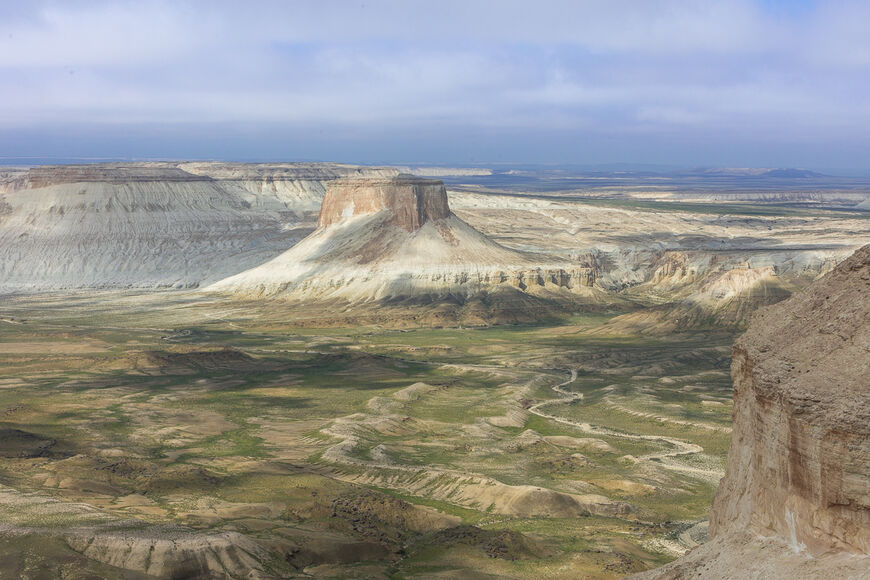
(101, 34)
(736, 71)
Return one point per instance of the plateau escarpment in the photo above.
(389, 239)
(691, 269)
(411, 201)
(795, 498)
(145, 225)
(297, 186)
(190, 224)
(699, 293)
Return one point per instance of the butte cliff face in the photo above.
(795, 498)
(411, 201)
(397, 238)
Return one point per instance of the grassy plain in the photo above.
(363, 452)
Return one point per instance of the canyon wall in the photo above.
(799, 466)
(795, 499)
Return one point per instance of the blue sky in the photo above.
(737, 83)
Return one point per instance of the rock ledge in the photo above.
(795, 499)
(413, 201)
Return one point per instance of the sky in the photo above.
(748, 83)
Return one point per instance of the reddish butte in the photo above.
(412, 200)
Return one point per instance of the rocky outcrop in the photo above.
(412, 201)
(567, 277)
(703, 290)
(174, 553)
(298, 186)
(247, 175)
(798, 473)
(189, 224)
(397, 238)
(48, 175)
(133, 547)
(147, 225)
(799, 466)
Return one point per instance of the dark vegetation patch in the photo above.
(383, 518)
(564, 465)
(225, 358)
(192, 478)
(15, 443)
(335, 551)
(502, 544)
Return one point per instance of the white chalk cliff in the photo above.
(147, 225)
(396, 237)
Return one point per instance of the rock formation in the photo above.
(795, 499)
(393, 238)
(169, 552)
(297, 186)
(705, 290)
(190, 224)
(412, 201)
(146, 225)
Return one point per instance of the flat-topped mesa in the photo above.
(413, 201)
(252, 176)
(113, 173)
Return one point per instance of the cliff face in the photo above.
(413, 201)
(799, 466)
(299, 186)
(48, 175)
(702, 289)
(149, 225)
(795, 498)
(397, 238)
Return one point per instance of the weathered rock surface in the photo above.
(190, 224)
(131, 545)
(802, 389)
(723, 298)
(412, 201)
(146, 225)
(298, 186)
(700, 269)
(798, 474)
(381, 239)
(172, 553)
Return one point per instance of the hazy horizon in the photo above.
(764, 83)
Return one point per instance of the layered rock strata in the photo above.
(397, 238)
(795, 498)
(412, 201)
(799, 466)
(147, 225)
